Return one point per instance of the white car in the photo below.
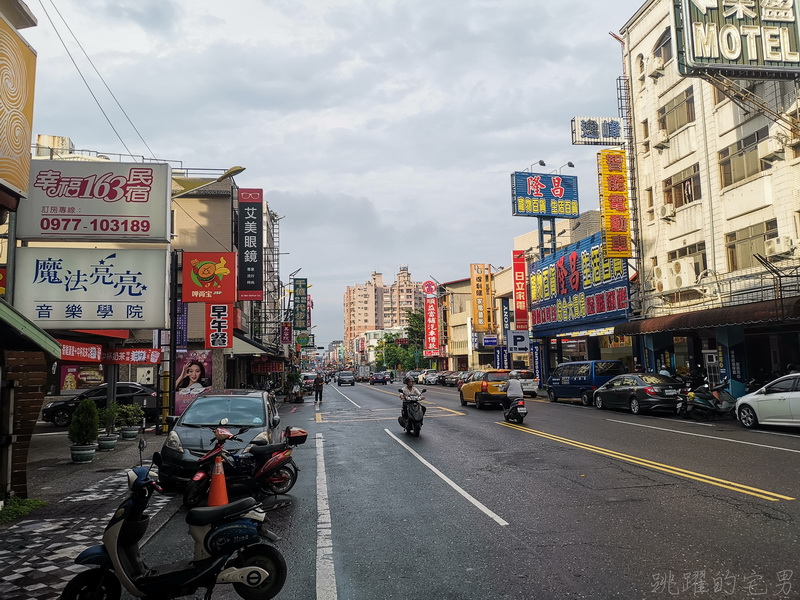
(528, 381)
(430, 378)
(423, 374)
(777, 403)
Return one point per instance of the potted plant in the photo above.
(83, 431)
(292, 386)
(108, 416)
(130, 416)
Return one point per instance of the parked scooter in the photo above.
(260, 468)
(705, 402)
(516, 411)
(229, 547)
(413, 412)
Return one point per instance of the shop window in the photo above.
(677, 112)
(683, 187)
(740, 160)
(741, 245)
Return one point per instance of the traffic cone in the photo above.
(218, 494)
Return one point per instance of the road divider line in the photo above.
(480, 506)
(711, 437)
(326, 574)
(643, 462)
(346, 397)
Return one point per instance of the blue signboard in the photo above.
(500, 357)
(505, 313)
(490, 340)
(544, 195)
(577, 287)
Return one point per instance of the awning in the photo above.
(19, 333)
(244, 345)
(786, 309)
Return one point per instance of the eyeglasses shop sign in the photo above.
(83, 288)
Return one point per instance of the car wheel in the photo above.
(586, 398)
(478, 402)
(551, 395)
(747, 416)
(598, 402)
(62, 417)
(635, 406)
(461, 399)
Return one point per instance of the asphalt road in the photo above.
(575, 503)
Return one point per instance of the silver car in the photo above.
(528, 381)
(777, 403)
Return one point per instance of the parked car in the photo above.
(638, 392)
(423, 373)
(528, 381)
(59, 412)
(777, 403)
(450, 380)
(441, 377)
(379, 377)
(430, 378)
(485, 387)
(412, 374)
(465, 377)
(580, 379)
(346, 378)
(188, 440)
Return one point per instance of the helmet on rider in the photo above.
(513, 375)
(408, 379)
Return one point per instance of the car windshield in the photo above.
(242, 411)
(607, 368)
(496, 376)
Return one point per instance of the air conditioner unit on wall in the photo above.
(771, 149)
(682, 272)
(666, 211)
(656, 67)
(777, 246)
(658, 284)
(662, 139)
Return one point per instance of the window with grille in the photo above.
(740, 160)
(677, 112)
(741, 245)
(683, 187)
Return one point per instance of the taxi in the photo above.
(485, 388)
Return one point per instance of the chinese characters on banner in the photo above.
(219, 326)
(431, 325)
(578, 285)
(300, 303)
(482, 298)
(286, 333)
(132, 356)
(520, 289)
(597, 131)
(614, 210)
(80, 352)
(209, 277)
(251, 242)
(544, 195)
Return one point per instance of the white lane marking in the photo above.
(711, 437)
(347, 398)
(326, 575)
(492, 515)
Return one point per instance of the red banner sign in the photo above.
(209, 277)
(219, 326)
(520, 290)
(78, 352)
(431, 324)
(286, 333)
(132, 356)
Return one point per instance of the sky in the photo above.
(384, 132)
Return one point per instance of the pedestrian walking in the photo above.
(319, 383)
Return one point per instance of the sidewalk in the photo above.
(37, 553)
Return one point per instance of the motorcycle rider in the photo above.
(513, 390)
(409, 390)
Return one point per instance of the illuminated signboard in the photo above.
(544, 195)
(739, 38)
(576, 286)
(520, 289)
(614, 209)
(482, 298)
(597, 131)
(251, 244)
(431, 323)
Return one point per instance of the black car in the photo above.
(346, 378)
(452, 379)
(441, 377)
(379, 377)
(59, 412)
(638, 392)
(189, 438)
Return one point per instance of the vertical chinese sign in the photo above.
(431, 347)
(614, 209)
(520, 289)
(482, 298)
(286, 333)
(219, 326)
(300, 303)
(251, 244)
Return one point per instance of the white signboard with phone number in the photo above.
(96, 201)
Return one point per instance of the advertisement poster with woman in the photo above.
(194, 375)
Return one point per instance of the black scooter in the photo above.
(705, 402)
(516, 410)
(229, 547)
(413, 413)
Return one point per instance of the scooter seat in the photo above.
(262, 451)
(211, 514)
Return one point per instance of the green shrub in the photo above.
(85, 423)
(130, 415)
(108, 416)
(16, 508)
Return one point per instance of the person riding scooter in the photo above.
(513, 390)
(408, 391)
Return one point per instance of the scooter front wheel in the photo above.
(416, 428)
(271, 560)
(196, 492)
(94, 584)
(282, 480)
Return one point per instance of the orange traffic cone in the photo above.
(218, 494)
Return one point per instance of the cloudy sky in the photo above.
(384, 131)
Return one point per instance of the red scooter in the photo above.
(259, 469)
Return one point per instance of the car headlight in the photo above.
(48, 405)
(173, 442)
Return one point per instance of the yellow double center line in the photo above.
(729, 485)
